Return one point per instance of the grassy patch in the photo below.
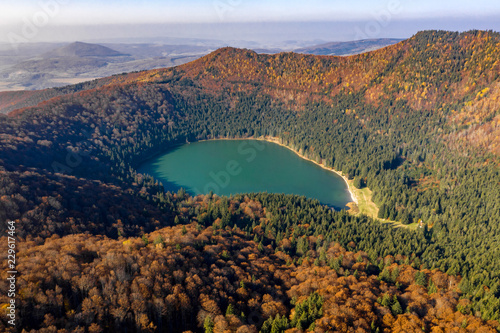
(367, 207)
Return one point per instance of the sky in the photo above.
(259, 20)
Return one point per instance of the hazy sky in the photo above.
(45, 20)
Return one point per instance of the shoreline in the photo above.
(361, 199)
(338, 173)
(276, 140)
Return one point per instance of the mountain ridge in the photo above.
(380, 76)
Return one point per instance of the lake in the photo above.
(228, 167)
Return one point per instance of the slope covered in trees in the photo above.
(422, 137)
(211, 273)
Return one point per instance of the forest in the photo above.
(102, 248)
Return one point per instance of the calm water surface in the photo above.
(242, 166)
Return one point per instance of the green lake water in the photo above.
(228, 167)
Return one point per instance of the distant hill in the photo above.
(79, 49)
(348, 48)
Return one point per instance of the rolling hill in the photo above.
(79, 49)
(416, 122)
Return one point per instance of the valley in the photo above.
(23, 69)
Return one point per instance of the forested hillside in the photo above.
(417, 122)
(239, 266)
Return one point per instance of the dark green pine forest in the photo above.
(418, 123)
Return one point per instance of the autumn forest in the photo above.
(103, 248)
